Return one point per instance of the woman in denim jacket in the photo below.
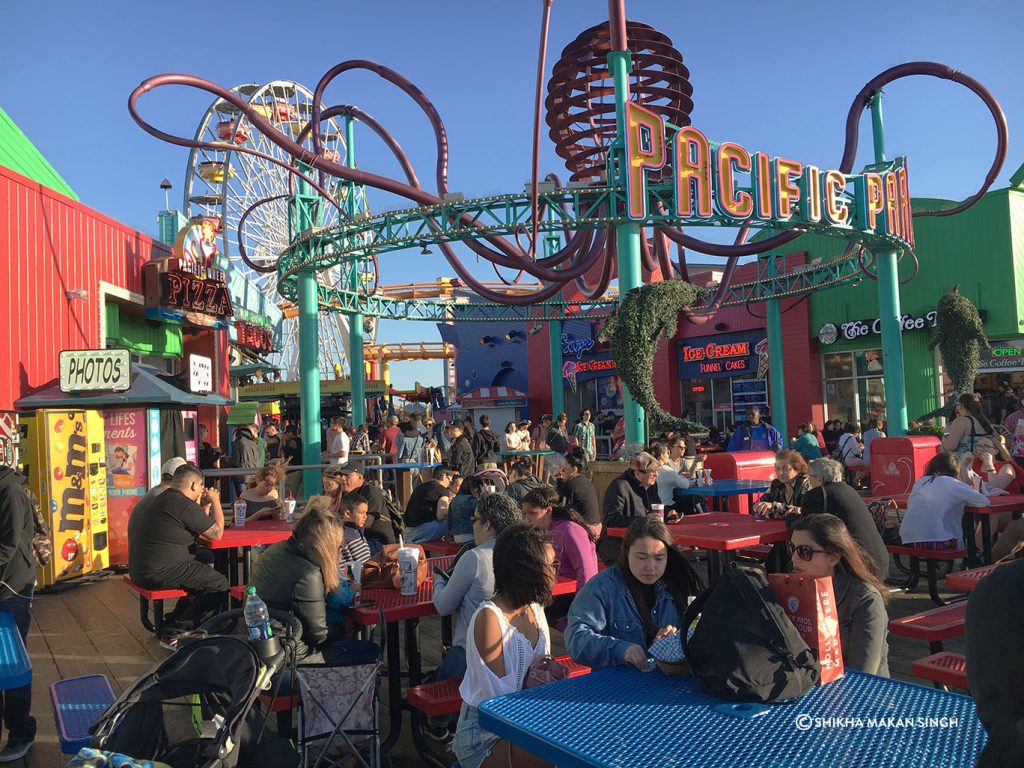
(621, 611)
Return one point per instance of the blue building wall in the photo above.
(486, 356)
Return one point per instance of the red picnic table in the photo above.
(1011, 502)
(721, 532)
(244, 538)
(391, 606)
(965, 581)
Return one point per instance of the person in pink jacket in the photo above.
(575, 545)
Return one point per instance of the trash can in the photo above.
(741, 465)
(897, 462)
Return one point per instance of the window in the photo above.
(854, 388)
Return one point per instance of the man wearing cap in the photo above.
(378, 520)
(167, 470)
(628, 496)
(160, 535)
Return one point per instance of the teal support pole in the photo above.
(889, 308)
(309, 347)
(776, 374)
(557, 383)
(627, 236)
(356, 362)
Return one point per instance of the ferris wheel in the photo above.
(224, 184)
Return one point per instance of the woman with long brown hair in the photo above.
(969, 425)
(822, 546)
(297, 574)
(621, 611)
(262, 499)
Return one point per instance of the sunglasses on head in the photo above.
(805, 551)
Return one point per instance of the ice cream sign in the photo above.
(726, 183)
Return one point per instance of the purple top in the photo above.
(575, 550)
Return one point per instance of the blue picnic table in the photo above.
(15, 668)
(720, 489)
(623, 717)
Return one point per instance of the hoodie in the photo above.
(17, 525)
(523, 486)
(245, 451)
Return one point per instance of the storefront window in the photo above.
(840, 400)
(854, 388)
(838, 365)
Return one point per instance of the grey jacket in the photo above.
(863, 624)
(523, 486)
(245, 451)
(288, 581)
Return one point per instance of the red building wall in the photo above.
(50, 244)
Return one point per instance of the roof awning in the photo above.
(148, 387)
(493, 397)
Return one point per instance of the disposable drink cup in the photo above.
(707, 477)
(408, 563)
(240, 509)
(289, 510)
(658, 510)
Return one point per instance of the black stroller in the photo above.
(198, 708)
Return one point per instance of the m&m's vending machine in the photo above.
(62, 454)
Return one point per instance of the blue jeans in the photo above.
(431, 531)
(17, 702)
(453, 665)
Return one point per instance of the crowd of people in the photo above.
(521, 532)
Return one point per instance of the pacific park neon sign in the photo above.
(708, 183)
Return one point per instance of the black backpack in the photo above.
(745, 648)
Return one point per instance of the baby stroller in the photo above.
(192, 710)
(197, 709)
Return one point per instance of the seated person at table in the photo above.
(505, 635)
(627, 497)
(472, 579)
(786, 493)
(262, 500)
(426, 514)
(511, 441)
(521, 480)
(807, 444)
(352, 508)
(822, 546)
(461, 508)
(574, 543)
(935, 510)
(828, 493)
(850, 450)
(331, 481)
(995, 638)
(578, 492)
(621, 611)
(296, 575)
(669, 478)
(992, 470)
(160, 535)
(380, 528)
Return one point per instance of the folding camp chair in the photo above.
(339, 714)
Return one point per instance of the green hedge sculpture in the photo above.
(644, 315)
(960, 337)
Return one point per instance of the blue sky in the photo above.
(776, 77)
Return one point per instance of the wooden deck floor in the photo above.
(94, 628)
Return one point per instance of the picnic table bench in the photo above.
(78, 703)
(933, 626)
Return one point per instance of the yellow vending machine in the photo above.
(63, 455)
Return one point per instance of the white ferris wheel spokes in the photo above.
(225, 184)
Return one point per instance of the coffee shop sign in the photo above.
(829, 333)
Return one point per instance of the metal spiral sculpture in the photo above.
(581, 120)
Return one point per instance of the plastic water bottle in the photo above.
(257, 617)
(240, 509)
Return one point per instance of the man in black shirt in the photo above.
(160, 535)
(460, 455)
(18, 577)
(486, 445)
(426, 514)
(378, 519)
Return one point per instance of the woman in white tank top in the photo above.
(505, 635)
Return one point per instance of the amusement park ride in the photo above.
(278, 166)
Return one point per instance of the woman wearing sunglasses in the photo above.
(821, 545)
(621, 611)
